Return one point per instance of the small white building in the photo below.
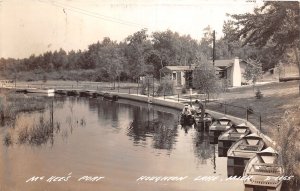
(181, 75)
(231, 70)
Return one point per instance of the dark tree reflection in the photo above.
(155, 124)
(202, 147)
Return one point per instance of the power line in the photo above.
(93, 14)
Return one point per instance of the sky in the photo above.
(36, 26)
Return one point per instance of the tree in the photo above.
(275, 26)
(136, 52)
(205, 78)
(206, 42)
(253, 71)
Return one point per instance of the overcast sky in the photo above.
(36, 26)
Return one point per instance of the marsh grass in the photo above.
(11, 104)
(41, 132)
(44, 131)
(23, 135)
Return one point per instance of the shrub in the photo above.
(258, 94)
(287, 142)
(166, 87)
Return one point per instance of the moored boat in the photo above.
(40, 91)
(206, 120)
(109, 96)
(61, 92)
(264, 170)
(72, 93)
(241, 151)
(95, 94)
(218, 127)
(85, 94)
(230, 136)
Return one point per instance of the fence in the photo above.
(246, 113)
(150, 90)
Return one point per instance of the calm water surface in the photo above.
(120, 141)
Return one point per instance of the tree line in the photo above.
(138, 54)
(270, 35)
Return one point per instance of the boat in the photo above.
(241, 151)
(21, 91)
(95, 94)
(72, 93)
(40, 91)
(85, 94)
(204, 122)
(109, 96)
(264, 170)
(218, 127)
(61, 92)
(207, 118)
(187, 120)
(230, 136)
(187, 117)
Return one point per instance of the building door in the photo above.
(189, 79)
(179, 79)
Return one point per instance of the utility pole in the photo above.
(214, 47)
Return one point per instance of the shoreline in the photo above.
(160, 101)
(179, 106)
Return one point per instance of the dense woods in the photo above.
(139, 54)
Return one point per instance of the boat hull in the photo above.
(41, 91)
(223, 147)
(187, 120)
(262, 188)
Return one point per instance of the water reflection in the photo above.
(120, 140)
(159, 126)
(40, 128)
(203, 149)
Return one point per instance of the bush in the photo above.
(183, 91)
(287, 142)
(166, 87)
(258, 94)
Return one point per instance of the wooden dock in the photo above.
(67, 92)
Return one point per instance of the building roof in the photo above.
(178, 68)
(223, 63)
(219, 66)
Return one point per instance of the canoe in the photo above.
(264, 169)
(230, 136)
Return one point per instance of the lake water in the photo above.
(120, 141)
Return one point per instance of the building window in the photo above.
(174, 76)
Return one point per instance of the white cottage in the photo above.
(232, 70)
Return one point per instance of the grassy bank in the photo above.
(11, 104)
(280, 117)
